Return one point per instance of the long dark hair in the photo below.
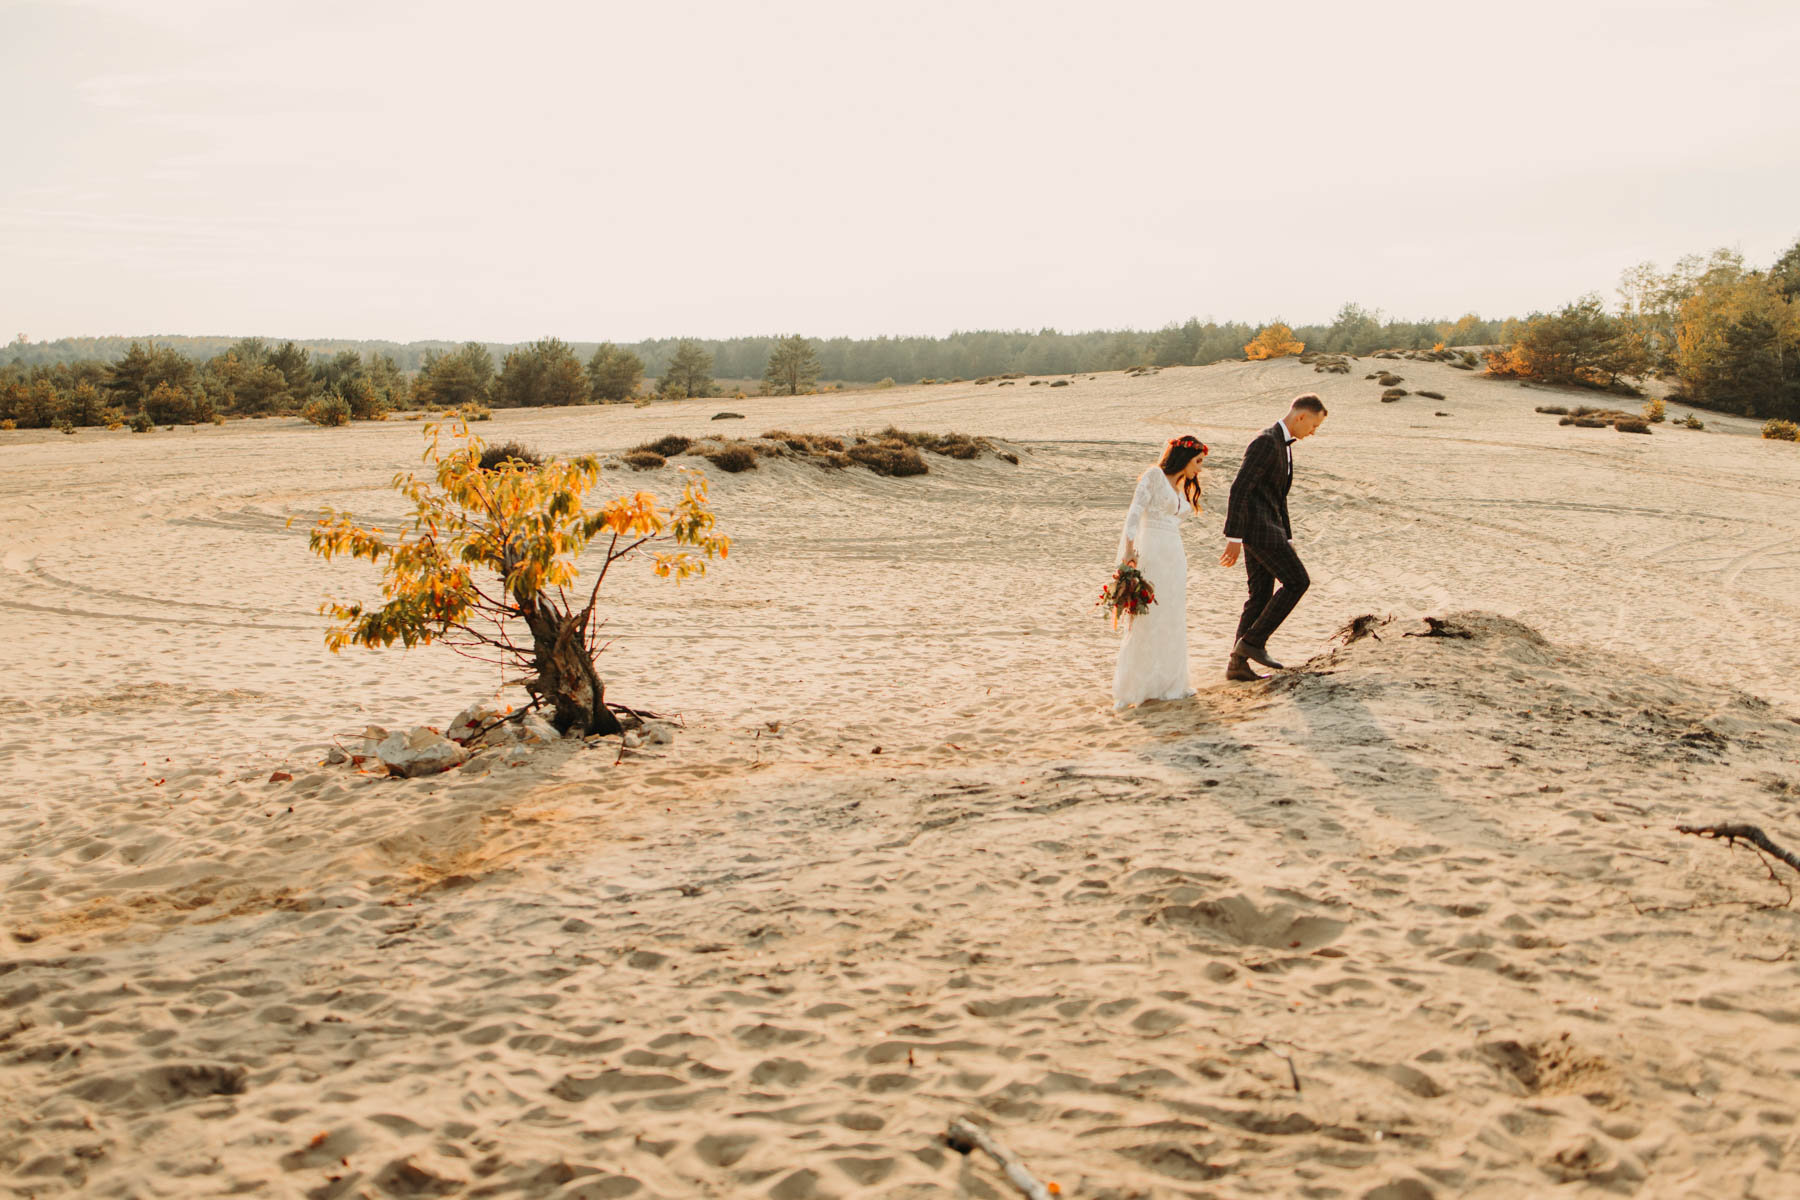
(1180, 452)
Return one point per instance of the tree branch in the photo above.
(1746, 833)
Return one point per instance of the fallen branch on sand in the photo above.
(1746, 833)
(965, 1136)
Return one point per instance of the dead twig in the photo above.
(1293, 1073)
(965, 1136)
(1732, 834)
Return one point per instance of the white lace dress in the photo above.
(1153, 660)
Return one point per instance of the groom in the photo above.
(1256, 523)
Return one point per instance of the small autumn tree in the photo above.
(1274, 341)
(492, 548)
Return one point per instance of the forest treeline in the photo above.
(174, 380)
(1727, 333)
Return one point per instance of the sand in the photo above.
(1409, 920)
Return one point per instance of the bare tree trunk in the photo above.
(566, 677)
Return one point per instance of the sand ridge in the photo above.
(1432, 880)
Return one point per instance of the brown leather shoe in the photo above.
(1255, 653)
(1239, 670)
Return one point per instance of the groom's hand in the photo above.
(1230, 557)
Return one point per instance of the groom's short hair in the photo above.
(1309, 402)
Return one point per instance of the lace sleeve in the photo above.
(1134, 517)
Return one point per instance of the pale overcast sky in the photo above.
(371, 169)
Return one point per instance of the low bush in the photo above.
(1388, 379)
(1632, 425)
(1556, 410)
(493, 456)
(1007, 383)
(727, 416)
(1430, 395)
(886, 383)
(1655, 411)
(668, 446)
(1392, 394)
(474, 412)
(1692, 422)
(805, 443)
(1059, 383)
(141, 422)
(927, 381)
(644, 460)
(733, 457)
(328, 411)
(1781, 431)
(888, 458)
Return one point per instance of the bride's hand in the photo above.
(1230, 557)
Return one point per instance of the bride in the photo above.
(1153, 661)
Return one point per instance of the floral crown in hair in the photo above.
(1189, 442)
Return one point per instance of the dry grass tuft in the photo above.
(1392, 394)
(1430, 395)
(888, 458)
(733, 457)
(493, 456)
(644, 460)
(669, 445)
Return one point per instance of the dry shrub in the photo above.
(927, 381)
(644, 460)
(1430, 395)
(888, 458)
(727, 416)
(1036, 382)
(1778, 430)
(493, 456)
(1375, 375)
(1692, 422)
(810, 444)
(1555, 410)
(1389, 379)
(1007, 383)
(668, 446)
(1384, 354)
(1632, 425)
(733, 457)
(1392, 394)
(328, 411)
(1059, 383)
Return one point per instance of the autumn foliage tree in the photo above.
(1579, 345)
(491, 549)
(1274, 341)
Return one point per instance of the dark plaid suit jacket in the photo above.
(1258, 512)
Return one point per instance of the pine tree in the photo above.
(613, 374)
(689, 372)
(793, 367)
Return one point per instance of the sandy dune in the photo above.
(1411, 920)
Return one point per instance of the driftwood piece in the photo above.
(1742, 833)
(965, 1136)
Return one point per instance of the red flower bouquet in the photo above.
(1127, 595)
